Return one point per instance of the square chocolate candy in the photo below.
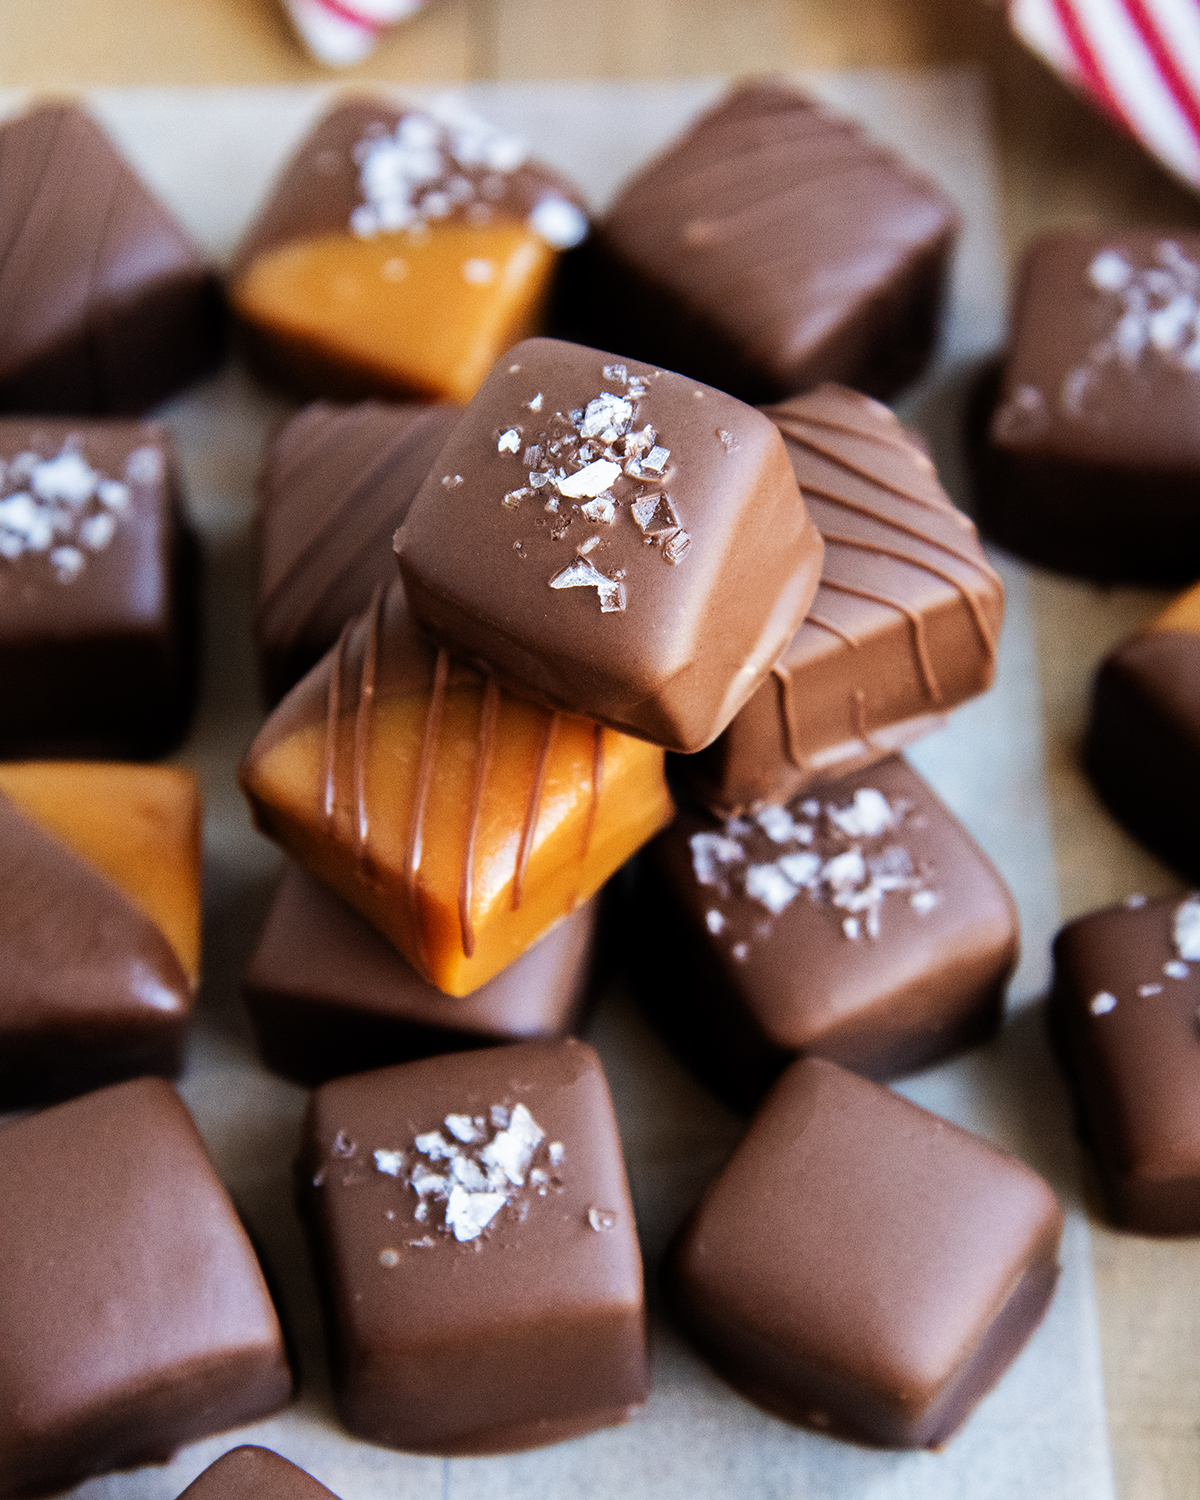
(134, 1317)
(862, 1266)
(1093, 455)
(860, 923)
(614, 540)
(329, 995)
(772, 247)
(1124, 1012)
(106, 306)
(250, 1473)
(903, 628)
(97, 580)
(475, 1239)
(335, 483)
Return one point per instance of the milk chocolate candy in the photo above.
(329, 996)
(1143, 740)
(106, 305)
(904, 625)
(1124, 1014)
(251, 1473)
(615, 540)
(97, 581)
(863, 1267)
(773, 247)
(1093, 453)
(475, 1238)
(861, 924)
(460, 820)
(401, 252)
(334, 485)
(133, 1314)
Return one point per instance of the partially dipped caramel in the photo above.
(402, 251)
(462, 821)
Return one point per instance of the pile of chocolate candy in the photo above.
(583, 609)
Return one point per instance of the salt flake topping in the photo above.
(1186, 930)
(63, 508)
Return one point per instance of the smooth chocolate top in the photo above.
(369, 168)
(133, 1313)
(251, 1473)
(905, 622)
(74, 950)
(1104, 358)
(856, 1235)
(334, 485)
(618, 541)
(80, 236)
(777, 220)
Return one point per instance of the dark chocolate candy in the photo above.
(97, 581)
(401, 251)
(1125, 1012)
(904, 625)
(863, 1267)
(133, 1314)
(334, 485)
(862, 924)
(618, 541)
(1143, 741)
(475, 1238)
(250, 1473)
(1093, 455)
(106, 306)
(90, 990)
(774, 246)
(329, 996)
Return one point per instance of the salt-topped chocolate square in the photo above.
(134, 1316)
(1093, 454)
(615, 540)
(329, 995)
(251, 1473)
(97, 629)
(1125, 1011)
(106, 306)
(859, 922)
(863, 1267)
(475, 1237)
(335, 483)
(775, 245)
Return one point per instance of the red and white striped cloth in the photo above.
(340, 32)
(1139, 60)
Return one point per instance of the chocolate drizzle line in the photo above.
(487, 734)
(412, 855)
(333, 708)
(362, 719)
(789, 426)
(783, 681)
(589, 825)
(822, 624)
(534, 808)
(929, 677)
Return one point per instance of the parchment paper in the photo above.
(210, 154)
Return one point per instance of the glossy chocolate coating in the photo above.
(903, 628)
(528, 1333)
(1143, 741)
(334, 485)
(106, 306)
(739, 988)
(133, 1314)
(862, 1266)
(682, 611)
(251, 1473)
(1093, 454)
(329, 996)
(90, 990)
(773, 247)
(1124, 1015)
(98, 619)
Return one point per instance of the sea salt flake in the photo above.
(512, 1149)
(923, 902)
(845, 871)
(605, 411)
(654, 515)
(509, 441)
(469, 1214)
(1186, 929)
(114, 495)
(768, 885)
(619, 373)
(710, 853)
(514, 497)
(1136, 900)
(741, 951)
(726, 439)
(1146, 991)
(95, 532)
(389, 1258)
(850, 928)
(435, 1146)
(777, 823)
(469, 1174)
(343, 1146)
(656, 460)
(602, 509)
(801, 869)
(561, 224)
(452, 481)
(1175, 970)
(592, 480)
(677, 547)
(714, 921)
(867, 816)
(498, 1116)
(1109, 271)
(601, 1219)
(428, 1184)
(391, 1163)
(145, 466)
(463, 1128)
(583, 574)
(68, 479)
(535, 404)
(1102, 1003)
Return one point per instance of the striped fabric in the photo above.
(340, 32)
(1139, 60)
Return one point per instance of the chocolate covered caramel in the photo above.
(461, 820)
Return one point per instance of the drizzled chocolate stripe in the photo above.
(362, 721)
(597, 782)
(414, 850)
(333, 709)
(487, 735)
(791, 429)
(917, 625)
(534, 808)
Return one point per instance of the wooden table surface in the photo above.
(1060, 164)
